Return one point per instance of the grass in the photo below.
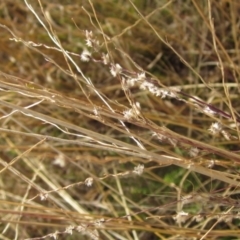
(119, 119)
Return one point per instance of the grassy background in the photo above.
(59, 130)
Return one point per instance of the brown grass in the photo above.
(75, 138)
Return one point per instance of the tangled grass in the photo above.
(119, 120)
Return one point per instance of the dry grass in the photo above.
(141, 143)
